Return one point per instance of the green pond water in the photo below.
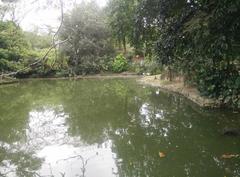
(108, 128)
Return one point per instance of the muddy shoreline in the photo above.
(178, 87)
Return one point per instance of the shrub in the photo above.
(148, 65)
(120, 64)
(105, 63)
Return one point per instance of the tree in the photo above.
(13, 47)
(37, 41)
(44, 58)
(198, 39)
(121, 18)
(88, 38)
(3, 11)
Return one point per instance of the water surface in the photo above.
(108, 128)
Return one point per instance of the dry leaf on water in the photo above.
(229, 156)
(162, 155)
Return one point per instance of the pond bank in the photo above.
(5, 81)
(109, 76)
(95, 76)
(178, 87)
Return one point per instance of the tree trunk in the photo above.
(124, 45)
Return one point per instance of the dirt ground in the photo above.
(179, 87)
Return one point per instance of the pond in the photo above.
(108, 128)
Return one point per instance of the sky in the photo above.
(35, 17)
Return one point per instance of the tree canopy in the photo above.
(13, 46)
(88, 38)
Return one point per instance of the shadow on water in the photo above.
(108, 128)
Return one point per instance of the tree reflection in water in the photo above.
(109, 128)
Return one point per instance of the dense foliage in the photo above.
(120, 64)
(200, 42)
(13, 47)
(37, 41)
(196, 39)
(89, 46)
(120, 19)
(18, 50)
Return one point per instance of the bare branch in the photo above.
(44, 58)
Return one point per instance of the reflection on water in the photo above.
(78, 161)
(63, 154)
(46, 126)
(108, 128)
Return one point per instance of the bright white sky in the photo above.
(45, 16)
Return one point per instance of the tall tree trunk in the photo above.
(124, 45)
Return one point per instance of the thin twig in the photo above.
(84, 162)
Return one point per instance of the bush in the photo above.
(219, 85)
(149, 65)
(152, 67)
(105, 63)
(62, 73)
(120, 64)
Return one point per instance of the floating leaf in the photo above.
(162, 155)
